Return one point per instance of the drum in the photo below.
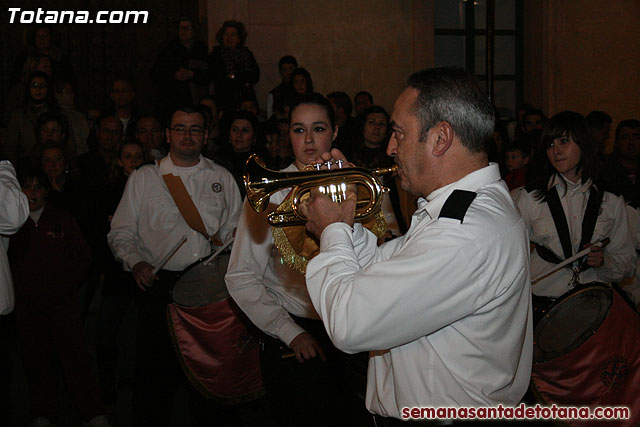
(202, 283)
(587, 352)
(218, 353)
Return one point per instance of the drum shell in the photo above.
(217, 351)
(602, 371)
(202, 283)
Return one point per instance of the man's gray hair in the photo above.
(454, 96)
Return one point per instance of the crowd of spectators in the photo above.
(73, 166)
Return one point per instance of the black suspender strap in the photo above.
(591, 216)
(560, 220)
(589, 220)
(547, 254)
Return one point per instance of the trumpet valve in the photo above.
(336, 192)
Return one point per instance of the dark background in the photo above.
(99, 52)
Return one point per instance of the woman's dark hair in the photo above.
(315, 99)
(573, 125)
(33, 172)
(248, 116)
(239, 26)
(304, 73)
(358, 145)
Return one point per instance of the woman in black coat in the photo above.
(233, 67)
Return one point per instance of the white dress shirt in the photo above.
(14, 211)
(147, 223)
(632, 289)
(259, 281)
(445, 308)
(612, 222)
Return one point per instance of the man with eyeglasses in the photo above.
(144, 229)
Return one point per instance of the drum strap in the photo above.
(186, 206)
(560, 221)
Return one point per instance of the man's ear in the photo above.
(444, 134)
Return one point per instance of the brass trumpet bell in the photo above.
(261, 182)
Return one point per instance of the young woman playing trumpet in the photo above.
(304, 372)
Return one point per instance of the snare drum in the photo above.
(218, 353)
(587, 352)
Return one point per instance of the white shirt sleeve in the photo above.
(619, 254)
(245, 277)
(233, 201)
(14, 208)
(124, 236)
(14, 211)
(363, 303)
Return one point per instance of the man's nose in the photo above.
(391, 148)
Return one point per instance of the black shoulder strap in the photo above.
(590, 218)
(547, 254)
(559, 219)
(457, 204)
(591, 215)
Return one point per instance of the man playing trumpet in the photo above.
(444, 309)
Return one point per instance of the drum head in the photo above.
(571, 322)
(202, 283)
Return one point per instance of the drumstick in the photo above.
(218, 252)
(168, 256)
(602, 244)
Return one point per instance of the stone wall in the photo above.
(583, 56)
(346, 45)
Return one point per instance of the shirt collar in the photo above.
(166, 165)
(471, 182)
(561, 182)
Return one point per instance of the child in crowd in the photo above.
(516, 158)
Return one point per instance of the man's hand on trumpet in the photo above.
(320, 210)
(334, 156)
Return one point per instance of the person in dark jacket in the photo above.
(233, 67)
(181, 69)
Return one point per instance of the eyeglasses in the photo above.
(37, 85)
(193, 131)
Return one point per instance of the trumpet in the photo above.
(261, 182)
